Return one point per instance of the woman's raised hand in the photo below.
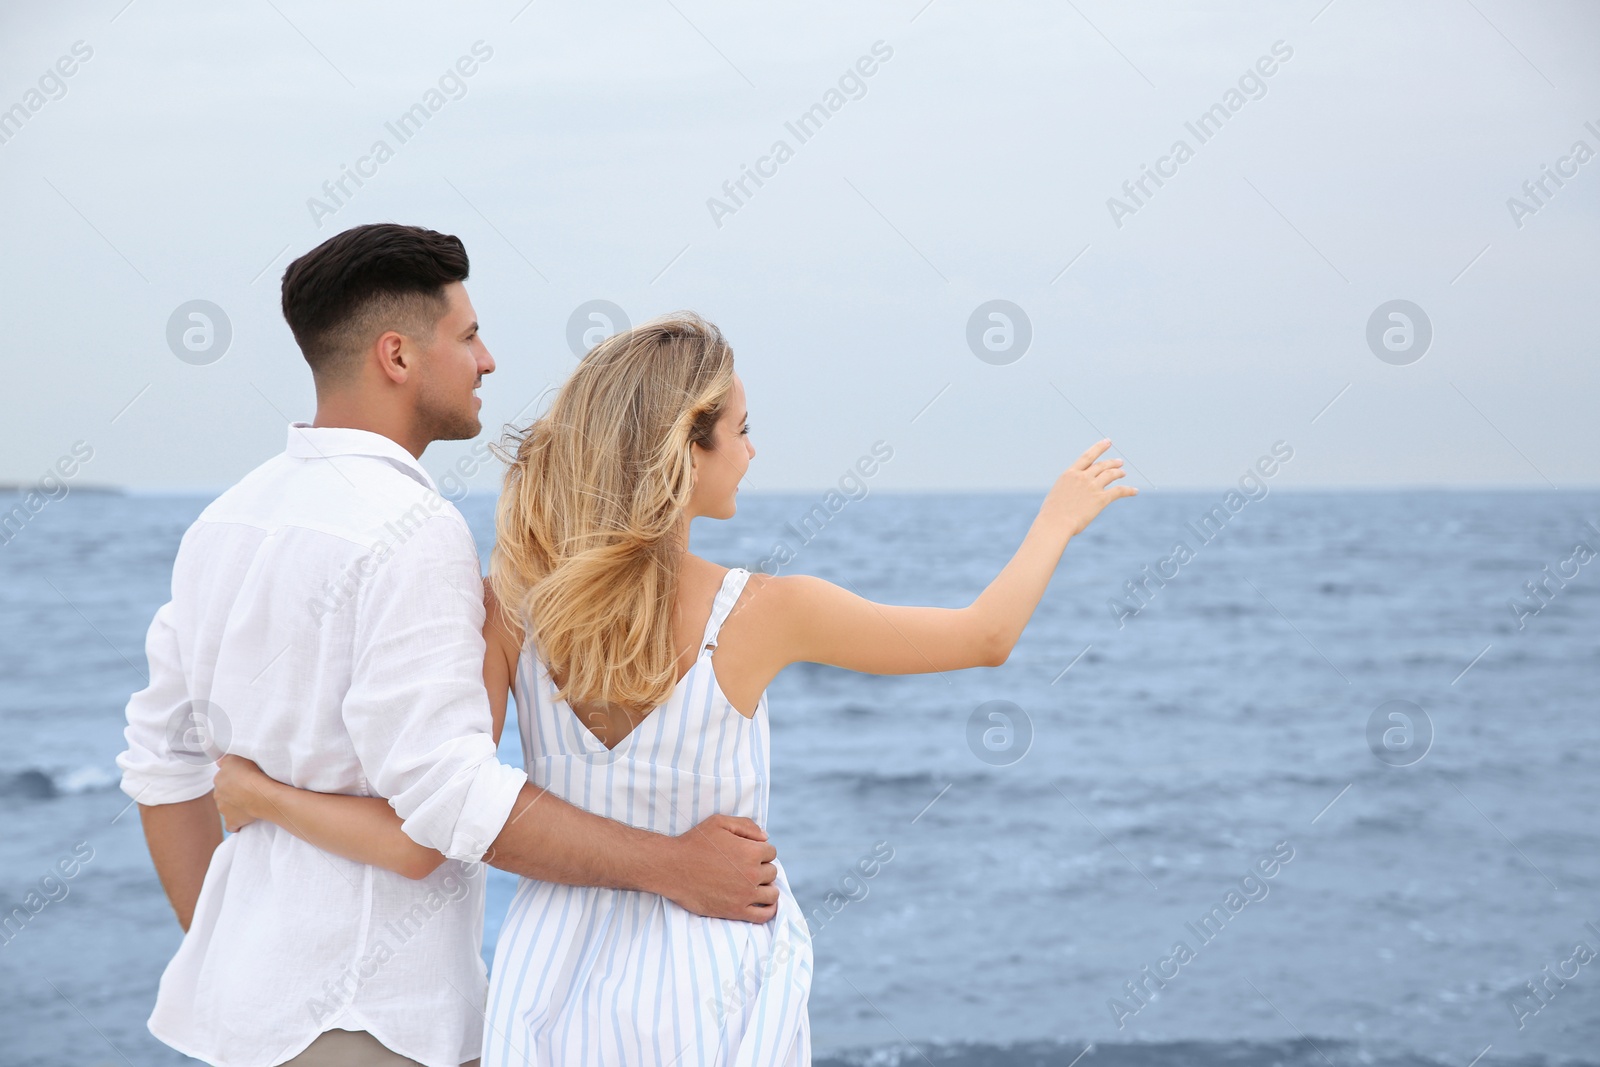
(1084, 489)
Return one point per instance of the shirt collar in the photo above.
(324, 442)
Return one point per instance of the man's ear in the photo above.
(393, 356)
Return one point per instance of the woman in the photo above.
(640, 672)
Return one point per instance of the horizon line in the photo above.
(20, 488)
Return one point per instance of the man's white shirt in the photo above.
(326, 622)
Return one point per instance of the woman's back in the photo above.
(582, 974)
(697, 734)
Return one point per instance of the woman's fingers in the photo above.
(1092, 453)
(1109, 475)
(230, 761)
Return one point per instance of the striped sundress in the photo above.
(585, 975)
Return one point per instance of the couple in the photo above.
(331, 676)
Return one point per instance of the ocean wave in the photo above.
(1401, 822)
(870, 781)
(1304, 1052)
(34, 783)
(852, 710)
(1231, 609)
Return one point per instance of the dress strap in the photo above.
(732, 586)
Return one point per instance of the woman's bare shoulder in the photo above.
(760, 584)
(754, 617)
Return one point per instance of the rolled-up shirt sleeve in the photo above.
(416, 708)
(159, 714)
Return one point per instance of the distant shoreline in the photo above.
(112, 490)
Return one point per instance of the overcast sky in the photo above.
(1196, 321)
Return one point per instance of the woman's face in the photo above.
(718, 469)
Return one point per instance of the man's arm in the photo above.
(721, 868)
(182, 837)
(173, 789)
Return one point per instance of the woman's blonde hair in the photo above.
(586, 555)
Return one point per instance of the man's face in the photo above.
(450, 369)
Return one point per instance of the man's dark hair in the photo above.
(357, 284)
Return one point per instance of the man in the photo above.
(325, 622)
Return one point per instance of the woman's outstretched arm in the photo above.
(815, 621)
(364, 829)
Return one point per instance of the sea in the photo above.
(1316, 788)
